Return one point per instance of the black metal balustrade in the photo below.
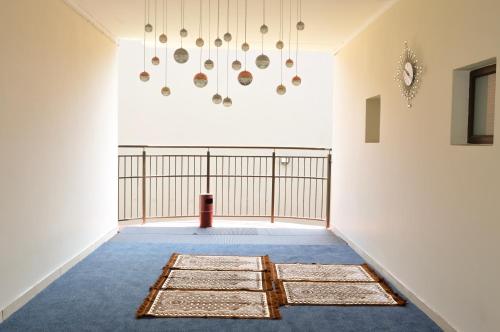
(273, 182)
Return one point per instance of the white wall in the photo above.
(58, 137)
(426, 210)
(258, 116)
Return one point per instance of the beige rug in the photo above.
(215, 280)
(213, 304)
(336, 293)
(323, 272)
(219, 263)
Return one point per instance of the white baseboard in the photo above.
(41, 285)
(402, 289)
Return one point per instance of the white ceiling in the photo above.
(329, 23)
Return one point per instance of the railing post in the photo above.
(273, 186)
(143, 186)
(208, 171)
(328, 190)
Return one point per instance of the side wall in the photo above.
(58, 137)
(259, 116)
(427, 211)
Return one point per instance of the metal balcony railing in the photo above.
(247, 181)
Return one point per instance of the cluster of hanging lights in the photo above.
(245, 77)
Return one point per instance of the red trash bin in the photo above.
(206, 210)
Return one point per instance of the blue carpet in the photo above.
(102, 292)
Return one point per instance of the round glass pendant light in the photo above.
(163, 38)
(165, 91)
(227, 102)
(228, 37)
(281, 89)
(289, 63)
(236, 65)
(245, 78)
(262, 61)
(200, 80)
(217, 99)
(218, 42)
(200, 42)
(264, 29)
(245, 47)
(296, 80)
(300, 26)
(144, 76)
(280, 44)
(209, 64)
(181, 55)
(148, 27)
(155, 61)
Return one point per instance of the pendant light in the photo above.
(163, 37)
(279, 43)
(200, 79)
(245, 47)
(236, 65)
(289, 61)
(181, 55)
(155, 60)
(165, 90)
(227, 101)
(144, 75)
(227, 36)
(262, 61)
(217, 98)
(147, 26)
(209, 64)
(296, 80)
(218, 41)
(281, 89)
(245, 77)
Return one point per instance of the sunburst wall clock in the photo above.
(408, 74)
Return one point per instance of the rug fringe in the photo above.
(399, 300)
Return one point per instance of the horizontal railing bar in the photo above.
(222, 176)
(225, 216)
(223, 147)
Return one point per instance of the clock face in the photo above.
(408, 74)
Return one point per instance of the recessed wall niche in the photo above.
(473, 104)
(372, 120)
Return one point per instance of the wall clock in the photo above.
(408, 74)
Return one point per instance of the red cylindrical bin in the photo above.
(206, 210)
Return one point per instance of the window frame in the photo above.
(474, 75)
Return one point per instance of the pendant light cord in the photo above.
(299, 17)
(166, 48)
(182, 18)
(201, 33)
(217, 51)
(156, 11)
(290, 32)
(263, 23)
(237, 27)
(281, 39)
(209, 22)
(246, 9)
(144, 28)
(227, 70)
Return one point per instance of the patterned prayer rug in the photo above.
(323, 272)
(214, 304)
(215, 280)
(219, 263)
(336, 293)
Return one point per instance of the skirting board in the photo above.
(37, 288)
(381, 271)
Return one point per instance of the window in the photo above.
(481, 105)
(372, 120)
